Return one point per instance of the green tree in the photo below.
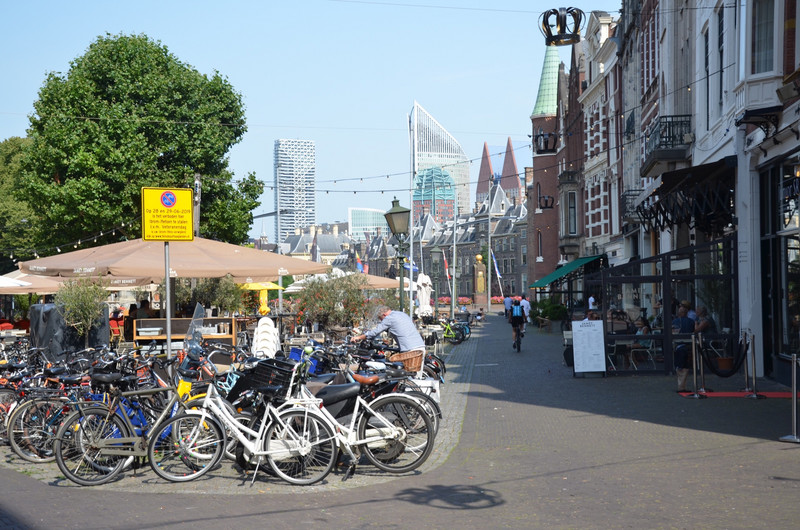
(129, 114)
(15, 214)
(336, 301)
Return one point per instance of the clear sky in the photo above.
(344, 73)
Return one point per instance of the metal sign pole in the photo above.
(167, 301)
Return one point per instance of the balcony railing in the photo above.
(667, 132)
(629, 213)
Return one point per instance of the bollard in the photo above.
(793, 437)
(754, 394)
(702, 389)
(695, 394)
(747, 387)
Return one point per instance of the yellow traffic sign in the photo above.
(167, 214)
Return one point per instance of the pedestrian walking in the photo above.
(526, 308)
(507, 301)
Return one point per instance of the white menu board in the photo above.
(588, 347)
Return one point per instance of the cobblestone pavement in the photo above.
(523, 445)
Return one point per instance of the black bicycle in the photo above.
(518, 337)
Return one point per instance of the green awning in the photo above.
(563, 271)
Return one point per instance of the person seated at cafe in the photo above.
(691, 313)
(22, 323)
(704, 324)
(642, 330)
(144, 310)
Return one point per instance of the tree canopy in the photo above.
(15, 215)
(129, 114)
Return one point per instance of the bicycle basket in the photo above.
(412, 360)
(277, 372)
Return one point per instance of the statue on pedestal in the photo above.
(480, 281)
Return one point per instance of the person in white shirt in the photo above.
(592, 302)
(526, 308)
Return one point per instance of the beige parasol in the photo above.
(201, 258)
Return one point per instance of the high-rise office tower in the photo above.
(295, 186)
(433, 147)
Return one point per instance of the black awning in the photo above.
(700, 196)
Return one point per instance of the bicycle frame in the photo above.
(346, 435)
(131, 445)
(250, 439)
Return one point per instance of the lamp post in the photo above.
(398, 218)
(437, 272)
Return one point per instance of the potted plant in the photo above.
(81, 302)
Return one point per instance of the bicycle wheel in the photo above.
(457, 336)
(414, 442)
(32, 428)
(8, 399)
(432, 408)
(301, 447)
(186, 447)
(79, 446)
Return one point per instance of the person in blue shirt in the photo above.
(507, 301)
(682, 324)
(400, 327)
(516, 316)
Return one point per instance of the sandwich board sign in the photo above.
(588, 346)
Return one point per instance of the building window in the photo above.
(706, 66)
(524, 250)
(505, 265)
(539, 243)
(763, 34)
(721, 58)
(513, 265)
(572, 213)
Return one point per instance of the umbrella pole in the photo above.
(168, 300)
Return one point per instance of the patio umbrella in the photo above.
(260, 286)
(27, 284)
(5, 281)
(200, 258)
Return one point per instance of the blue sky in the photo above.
(342, 73)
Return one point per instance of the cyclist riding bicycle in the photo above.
(516, 318)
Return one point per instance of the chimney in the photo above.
(335, 230)
(312, 230)
(297, 231)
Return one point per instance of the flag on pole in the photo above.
(359, 265)
(446, 267)
(496, 270)
(315, 254)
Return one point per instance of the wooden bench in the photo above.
(545, 323)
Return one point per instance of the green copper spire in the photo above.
(547, 100)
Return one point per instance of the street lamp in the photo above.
(437, 272)
(398, 218)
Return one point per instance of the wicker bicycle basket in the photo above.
(412, 360)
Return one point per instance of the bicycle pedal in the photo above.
(351, 470)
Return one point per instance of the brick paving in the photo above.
(523, 445)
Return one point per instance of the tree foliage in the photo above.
(335, 301)
(15, 214)
(130, 114)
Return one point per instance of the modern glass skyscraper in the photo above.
(295, 186)
(366, 221)
(433, 147)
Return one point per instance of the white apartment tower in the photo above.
(295, 186)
